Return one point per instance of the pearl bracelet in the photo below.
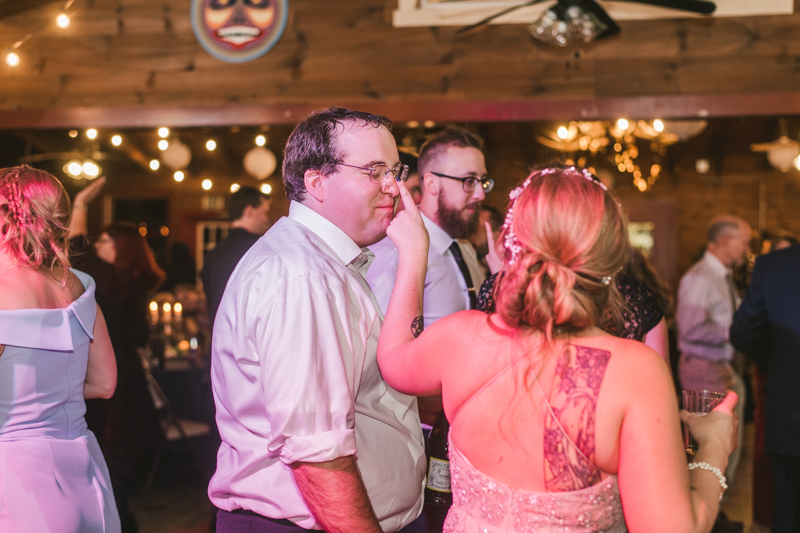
(714, 470)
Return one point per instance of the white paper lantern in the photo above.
(782, 157)
(684, 129)
(177, 156)
(260, 162)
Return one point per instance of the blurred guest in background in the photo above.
(767, 327)
(706, 303)
(126, 273)
(248, 209)
(783, 239)
(54, 352)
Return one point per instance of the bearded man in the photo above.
(452, 172)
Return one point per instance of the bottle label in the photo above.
(439, 475)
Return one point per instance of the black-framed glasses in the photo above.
(381, 172)
(469, 183)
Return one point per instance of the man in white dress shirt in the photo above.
(312, 437)
(704, 313)
(452, 172)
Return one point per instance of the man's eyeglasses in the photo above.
(379, 173)
(469, 183)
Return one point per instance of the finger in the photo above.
(405, 196)
(728, 403)
(489, 233)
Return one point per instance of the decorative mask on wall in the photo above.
(237, 31)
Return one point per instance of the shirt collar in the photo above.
(715, 264)
(439, 238)
(342, 245)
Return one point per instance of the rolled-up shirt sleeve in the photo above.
(308, 370)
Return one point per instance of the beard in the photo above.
(453, 221)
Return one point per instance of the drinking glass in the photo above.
(698, 402)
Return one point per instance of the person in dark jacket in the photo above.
(249, 211)
(767, 327)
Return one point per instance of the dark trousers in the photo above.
(786, 471)
(249, 522)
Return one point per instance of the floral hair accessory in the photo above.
(511, 243)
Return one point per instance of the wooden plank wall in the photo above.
(143, 53)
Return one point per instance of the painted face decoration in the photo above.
(238, 30)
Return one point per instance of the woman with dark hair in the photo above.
(127, 424)
(54, 352)
(554, 424)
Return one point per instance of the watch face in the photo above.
(237, 31)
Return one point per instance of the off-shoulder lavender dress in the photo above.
(53, 478)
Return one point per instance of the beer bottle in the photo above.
(437, 484)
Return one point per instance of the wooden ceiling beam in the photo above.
(12, 7)
(669, 106)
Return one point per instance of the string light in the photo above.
(266, 188)
(154, 164)
(235, 187)
(261, 140)
(91, 169)
(116, 140)
(163, 132)
(622, 124)
(63, 20)
(91, 133)
(12, 59)
(658, 125)
(163, 144)
(206, 185)
(562, 132)
(211, 145)
(73, 133)
(179, 175)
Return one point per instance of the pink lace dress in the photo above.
(579, 498)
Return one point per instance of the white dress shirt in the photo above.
(445, 289)
(706, 303)
(295, 378)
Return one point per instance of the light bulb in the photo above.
(167, 307)
(163, 132)
(622, 124)
(116, 140)
(163, 144)
(179, 175)
(73, 133)
(153, 307)
(12, 59)
(91, 169)
(658, 125)
(211, 144)
(235, 187)
(266, 188)
(261, 140)
(91, 133)
(62, 20)
(797, 162)
(154, 164)
(206, 185)
(563, 132)
(74, 168)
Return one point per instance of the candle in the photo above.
(167, 312)
(178, 309)
(153, 313)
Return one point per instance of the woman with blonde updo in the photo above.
(556, 425)
(54, 352)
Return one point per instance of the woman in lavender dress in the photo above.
(54, 352)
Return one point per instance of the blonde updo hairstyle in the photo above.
(567, 238)
(34, 216)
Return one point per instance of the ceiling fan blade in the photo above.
(695, 6)
(490, 18)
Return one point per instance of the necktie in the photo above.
(462, 266)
